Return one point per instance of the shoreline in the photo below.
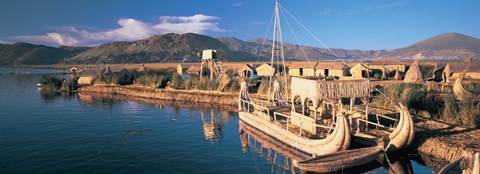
(434, 139)
(166, 94)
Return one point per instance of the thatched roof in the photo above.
(330, 89)
(331, 65)
(360, 66)
(456, 67)
(107, 70)
(297, 65)
(414, 75)
(397, 75)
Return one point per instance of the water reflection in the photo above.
(396, 164)
(213, 119)
(280, 155)
(212, 130)
(100, 99)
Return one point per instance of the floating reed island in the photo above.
(445, 113)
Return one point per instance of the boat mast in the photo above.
(277, 33)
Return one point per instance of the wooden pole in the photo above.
(476, 163)
(352, 101)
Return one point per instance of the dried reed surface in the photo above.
(91, 97)
(444, 142)
(447, 127)
(343, 88)
(169, 94)
(430, 103)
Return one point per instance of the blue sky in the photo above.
(352, 24)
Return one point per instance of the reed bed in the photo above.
(439, 105)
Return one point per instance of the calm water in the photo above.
(85, 133)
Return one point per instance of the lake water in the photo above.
(99, 133)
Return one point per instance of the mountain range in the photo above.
(186, 48)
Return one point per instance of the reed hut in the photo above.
(124, 77)
(142, 68)
(245, 71)
(107, 70)
(414, 75)
(334, 69)
(196, 70)
(87, 76)
(300, 69)
(438, 72)
(265, 69)
(454, 69)
(359, 71)
(183, 67)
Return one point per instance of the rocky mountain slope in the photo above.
(30, 54)
(185, 48)
(160, 48)
(442, 47)
(449, 46)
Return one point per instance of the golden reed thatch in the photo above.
(414, 74)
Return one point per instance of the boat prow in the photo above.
(403, 135)
(400, 138)
(460, 91)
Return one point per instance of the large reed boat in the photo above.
(310, 115)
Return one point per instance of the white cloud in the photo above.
(129, 30)
(238, 4)
(5, 42)
(326, 12)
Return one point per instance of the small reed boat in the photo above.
(457, 167)
(340, 161)
(460, 91)
(399, 137)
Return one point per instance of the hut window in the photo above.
(301, 71)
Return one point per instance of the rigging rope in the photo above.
(265, 37)
(323, 44)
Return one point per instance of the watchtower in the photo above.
(211, 59)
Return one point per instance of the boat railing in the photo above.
(290, 118)
(251, 107)
(246, 105)
(261, 102)
(377, 123)
(270, 103)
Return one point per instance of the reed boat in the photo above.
(394, 138)
(268, 142)
(279, 118)
(453, 167)
(277, 125)
(460, 91)
(253, 138)
(340, 161)
(465, 164)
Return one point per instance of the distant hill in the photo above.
(449, 46)
(160, 48)
(294, 52)
(30, 54)
(185, 48)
